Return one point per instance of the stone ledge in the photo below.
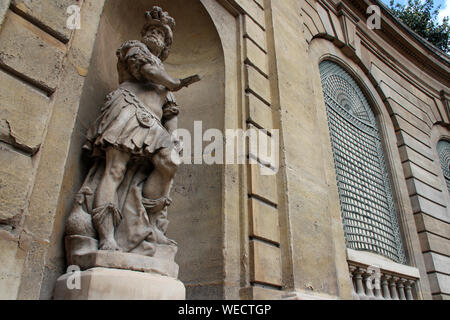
(371, 259)
(86, 256)
(300, 295)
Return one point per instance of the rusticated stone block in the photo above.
(439, 283)
(23, 114)
(254, 11)
(426, 223)
(431, 242)
(15, 178)
(256, 57)
(50, 15)
(27, 50)
(254, 32)
(260, 3)
(263, 221)
(258, 112)
(258, 84)
(435, 262)
(263, 186)
(265, 263)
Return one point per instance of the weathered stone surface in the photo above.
(263, 221)
(264, 186)
(255, 33)
(164, 266)
(311, 193)
(421, 204)
(12, 258)
(435, 262)
(407, 154)
(439, 283)
(260, 3)
(115, 284)
(418, 187)
(254, 11)
(258, 112)
(265, 263)
(30, 52)
(16, 175)
(426, 223)
(305, 295)
(257, 84)
(24, 111)
(431, 242)
(412, 170)
(262, 149)
(260, 293)
(404, 138)
(50, 15)
(53, 159)
(256, 57)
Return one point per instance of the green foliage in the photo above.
(422, 18)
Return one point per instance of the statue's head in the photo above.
(157, 33)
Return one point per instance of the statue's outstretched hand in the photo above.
(189, 80)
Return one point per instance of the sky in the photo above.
(445, 7)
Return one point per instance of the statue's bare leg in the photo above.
(165, 164)
(106, 200)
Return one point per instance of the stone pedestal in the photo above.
(114, 275)
(116, 284)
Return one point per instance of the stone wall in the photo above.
(242, 235)
(42, 70)
(413, 85)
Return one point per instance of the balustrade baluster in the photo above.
(408, 288)
(393, 285)
(385, 287)
(401, 291)
(368, 281)
(359, 284)
(352, 269)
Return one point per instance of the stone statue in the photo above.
(122, 204)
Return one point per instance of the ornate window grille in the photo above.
(443, 148)
(367, 206)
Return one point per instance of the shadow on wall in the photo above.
(195, 215)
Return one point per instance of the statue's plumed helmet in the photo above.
(159, 18)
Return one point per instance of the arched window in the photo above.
(367, 208)
(443, 148)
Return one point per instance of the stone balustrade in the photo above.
(376, 278)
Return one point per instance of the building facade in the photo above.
(361, 188)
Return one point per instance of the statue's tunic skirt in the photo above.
(127, 124)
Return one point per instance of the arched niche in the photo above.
(196, 213)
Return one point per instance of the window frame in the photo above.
(381, 157)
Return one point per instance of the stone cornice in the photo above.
(407, 42)
(400, 38)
